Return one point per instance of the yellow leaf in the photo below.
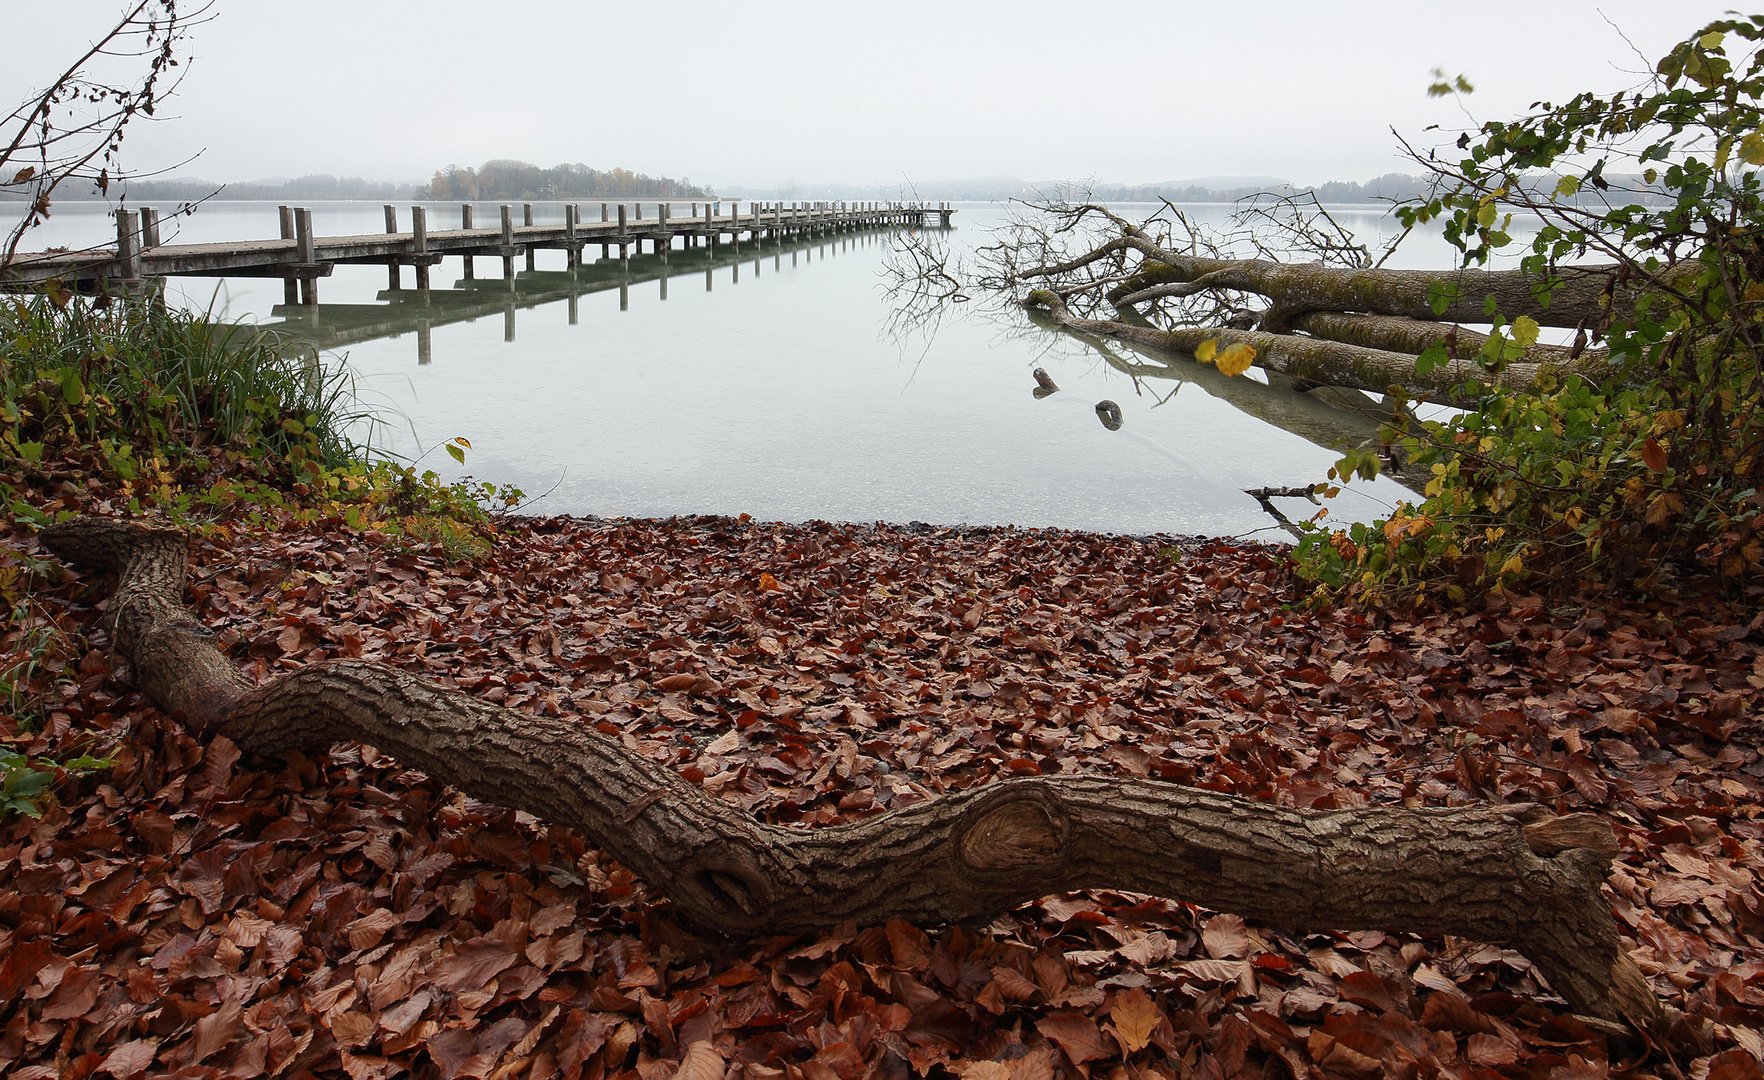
(1514, 565)
(1485, 217)
(463, 441)
(1525, 331)
(1205, 353)
(1751, 149)
(768, 583)
(1668, 420)
(1664, 506)
(1236, 359)
(1711, 40)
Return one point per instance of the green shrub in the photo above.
(1648, 474)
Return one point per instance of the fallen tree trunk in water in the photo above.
(1312, 359)
(1502, 874)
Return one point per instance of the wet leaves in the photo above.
(344, 915)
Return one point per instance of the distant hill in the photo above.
(508, 179)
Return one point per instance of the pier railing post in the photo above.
(465, 215)
(149, 227)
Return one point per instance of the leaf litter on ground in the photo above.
(191, 913)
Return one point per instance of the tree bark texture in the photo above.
(1587, 294)
(1501, 874)
(1312, 359)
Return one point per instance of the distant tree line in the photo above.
(505, 179)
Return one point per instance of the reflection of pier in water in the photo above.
(402, 311)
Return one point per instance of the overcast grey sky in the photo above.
(769, 92)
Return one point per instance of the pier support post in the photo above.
(572, 253)
(149, 228)
(507, 242)
(128, 250)
(304, 251)
(419, 244)
(527, 219)
(624, 251)
(290, 285)
(393, 280)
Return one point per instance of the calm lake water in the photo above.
(772, 386)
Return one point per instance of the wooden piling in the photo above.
(393, 280)
(290, 285)
(304, 254)
(419, 244)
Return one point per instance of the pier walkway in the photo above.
(300, 257)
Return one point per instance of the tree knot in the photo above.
(1017, 830)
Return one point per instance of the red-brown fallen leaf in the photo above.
(911, 949)
(981, 1070)
(366, 932)
(20, 968)
(1490, 1050)
(129, 1059)
(1134, 1017)
(700, 1062)
(216, 1030)
(1076, 1034)
(1367, 990)
(1013, 985)
(473, 964)
(1225, 937)
(76, 994)
(352, 1029)
(676, 683)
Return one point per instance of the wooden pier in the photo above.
(300, 257)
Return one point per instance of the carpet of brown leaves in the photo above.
(196, 915)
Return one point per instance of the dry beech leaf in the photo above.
(700, 1062)
(1076, 1034)
(1225, 937)
(1135, 1016)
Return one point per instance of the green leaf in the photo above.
(1751, 149)
(1568, 186)
(1433, 358)
(1711, 40)
(1441, 295)
(456, 453)
(1525, 331)
(73, 391)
